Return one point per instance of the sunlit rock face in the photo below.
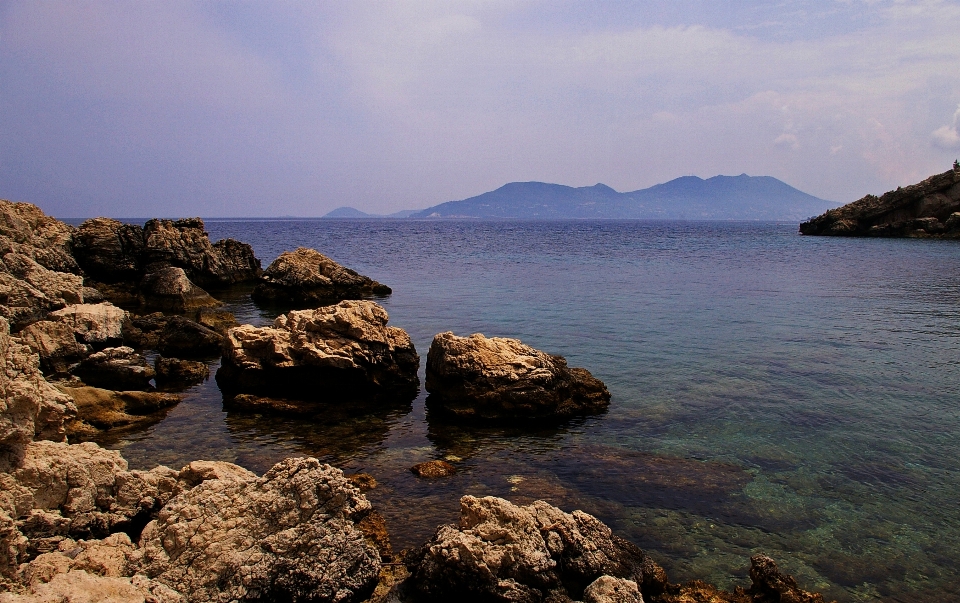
(307, 278)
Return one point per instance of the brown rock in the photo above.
(219, 320)
(28, 290)
(56, 345)
(185, 244)
(198, 472)
(922, 210)
(307, 278)
(175, 373)
(336, 353)
(184, 338)
(497, 378)
(169, 289)
(363, 481)
(99, 325)
(108, 250)
(116, 368)
(107, 409)
(434, 468)
(26, 230)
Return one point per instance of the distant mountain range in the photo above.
(688, 198)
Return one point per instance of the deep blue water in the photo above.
(771, 392)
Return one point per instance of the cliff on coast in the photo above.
(928, 209)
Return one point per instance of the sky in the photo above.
(219, 109)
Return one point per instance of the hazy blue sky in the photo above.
(268, 108)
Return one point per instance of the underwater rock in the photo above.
(182, 337)
(117, 368)
(176, 373)
(107, 409)
(219, 320)
(307, 278)
(504, 552)
(335, 353)
(290, 535)
(928, 209)
(483, 378)
(170, 290)
(434, 468)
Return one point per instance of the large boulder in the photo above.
(29, 406)
(493, 378)
(99, 325)
(183, 337)
(169, 289)
(26, 230)
(288, 536)
(526, 554)
(28, 290)
(927, 209)
(185, 244)
(335, 353)
(307, 278)
(108, 250)
(56, 345)
(118, 368)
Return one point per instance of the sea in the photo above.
(796, 396)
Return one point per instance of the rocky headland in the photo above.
(928, 209)
(496, 378)
(77, 524)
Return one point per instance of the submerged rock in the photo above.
(218, 320)
(99, 409)
(434, 468)
(306, 277)
(116, 368)
(504, 552)
(485, 378)
(928, 209)
(288, 536)
(335, 353)
(169, 289)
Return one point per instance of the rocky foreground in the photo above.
(928, 209)
(77, 525)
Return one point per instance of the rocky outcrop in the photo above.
(182, 337)
(495, 378)
(504, 552)
(169, 289)
(307, 278)
(28, 290)
(928, 209)
(185, 244)
(288, 536)
(27, 231)
(99, 409)
(108, 250)
(29, 406)
(100, 325)
(55, 344)
(174, 374)
(118, 368)
(333, 354)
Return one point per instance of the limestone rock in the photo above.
(307, 278)
(173, 373)
(925, 209)
(28, 290)
(84, 491)
(504, 552)
(219, 320)
(106, 409)
(769, 584)
(56, 345)
(185, 244)
(26, 230)
(100, 325)
(109, 250)
(287, 536)
(78, 586)
(198, 472)
(29, 406)
(498, 378)
(334, 353)
(435, 468)
(182, 337)
(144, 331)
(116, 368)
(607, 589)
(169, 289)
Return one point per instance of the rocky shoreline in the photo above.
(78, 322)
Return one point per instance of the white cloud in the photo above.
(947, 137)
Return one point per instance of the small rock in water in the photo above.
(116, 368)
(306, 277)
(433, 469)
(363, 481)
(173, 372)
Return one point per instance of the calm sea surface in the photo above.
(771, 392)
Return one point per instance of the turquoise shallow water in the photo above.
(771, 392)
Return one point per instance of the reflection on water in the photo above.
(771, 392)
